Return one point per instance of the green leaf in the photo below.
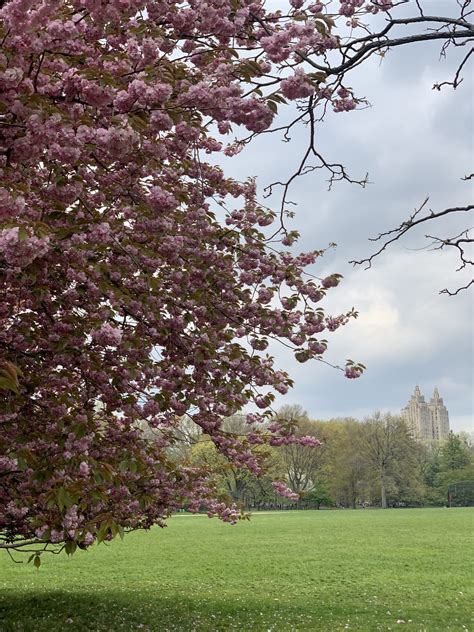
(64, 499)
(8, 384)
(320, 27)
(9, 373)
(70, 547)
(103, 531)
(318, 76)
(114, 529)
(138, 122)
(22, 234)
(21, 463)
(273, 106)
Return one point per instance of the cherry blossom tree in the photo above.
(138, 282)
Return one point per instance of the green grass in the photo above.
(313, 570)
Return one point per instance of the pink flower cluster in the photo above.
(349, 7)
(298, 86)
(283, 490)
(108, 335)
(353, 372)
(19, 250)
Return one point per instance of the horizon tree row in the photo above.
(373, 462)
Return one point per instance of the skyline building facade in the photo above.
(428, 421)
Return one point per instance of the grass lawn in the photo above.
(311, 570)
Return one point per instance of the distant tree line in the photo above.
(370, 463)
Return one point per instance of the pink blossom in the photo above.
(84, 469)
(41, 531)
(108, 335)
(352, 372)
(56, 536)
(283, 490)
(298, 86)
(22, 248)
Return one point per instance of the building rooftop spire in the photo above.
(436, 399)
(417, 396)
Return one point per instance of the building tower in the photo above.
(439, 416)
(427, 421)
(417, 416)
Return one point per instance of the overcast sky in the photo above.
(414, 142)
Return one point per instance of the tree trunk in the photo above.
(353, 496)
(383, 491)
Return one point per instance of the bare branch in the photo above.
(375, 42)
(336, 170)
(457, 80)
(412, 221)
(460, 289)
(399, 231)
(458, 242)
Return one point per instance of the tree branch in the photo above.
(377, 41)
(408, 225)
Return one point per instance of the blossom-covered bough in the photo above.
(125, 299)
